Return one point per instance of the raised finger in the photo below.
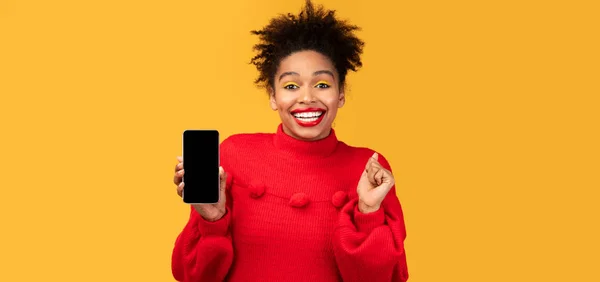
(371, 159)
(222, 175)
(223, 184)
(375, 157)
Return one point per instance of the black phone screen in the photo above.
(201, 166)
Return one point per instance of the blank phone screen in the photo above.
(201, 166)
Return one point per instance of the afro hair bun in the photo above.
(314, 28)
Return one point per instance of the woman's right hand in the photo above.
(210, 212)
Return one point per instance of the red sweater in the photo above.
(292, 216)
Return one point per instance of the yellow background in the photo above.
(487, 111)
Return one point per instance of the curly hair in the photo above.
(315, 29)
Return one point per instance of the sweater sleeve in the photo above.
(203, 250)
(370, 247)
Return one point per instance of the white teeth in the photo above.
(308, 119)
(308, 115)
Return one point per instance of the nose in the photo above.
(307, 96)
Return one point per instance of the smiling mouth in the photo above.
(308, 116)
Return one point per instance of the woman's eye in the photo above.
(290, 86)
(322, 85)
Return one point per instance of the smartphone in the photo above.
(201, 166)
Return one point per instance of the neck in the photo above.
(322, 135)
(318, 147)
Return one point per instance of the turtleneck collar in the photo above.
(300, 148)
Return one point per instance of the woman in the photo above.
(298, 204)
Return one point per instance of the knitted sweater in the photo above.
(291, 216)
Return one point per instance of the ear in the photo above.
(342, 98)
(272, 101)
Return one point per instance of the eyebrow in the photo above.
(314, 73)
(324, 72)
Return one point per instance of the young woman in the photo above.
(298, 204)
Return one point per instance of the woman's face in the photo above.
(307, 95)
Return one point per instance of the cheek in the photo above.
(332, 102)
(284, 102)
(332, 111)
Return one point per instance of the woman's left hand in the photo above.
(373, 186)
